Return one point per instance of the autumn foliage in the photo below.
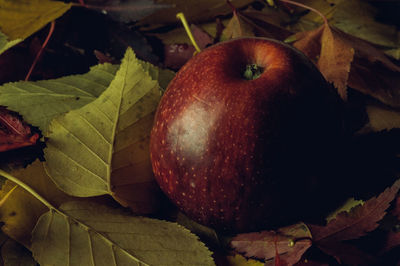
(78, 187)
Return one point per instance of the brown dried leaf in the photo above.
(334, 56)
(360, 220)
(376, 80)
(366, 50)
(381, 118)
(371, 71)
(237, 27)
(290, 243)
(358, 18)
(267, 23)
(335, 60)
(309, 42)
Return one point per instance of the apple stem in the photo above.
(181, 16)
(252, 71)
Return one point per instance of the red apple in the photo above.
(239, 133)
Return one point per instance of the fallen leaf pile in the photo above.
(74, 141)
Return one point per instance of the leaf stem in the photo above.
(27, 188)
(181, 16)
(306, 7)
(234, 11)
(41, 50)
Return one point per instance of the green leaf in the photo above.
(81, 145)
(39, 102)
(20, 19)
(92, 234)
(5, 43)
(163, 76)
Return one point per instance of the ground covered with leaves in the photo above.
(79, 85)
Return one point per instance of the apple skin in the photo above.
(241, 155)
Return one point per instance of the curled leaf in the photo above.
(14, 132)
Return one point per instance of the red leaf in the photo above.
(396, 210)
(347, 254)
(14, 133)
(286, 245)
(356, 223)
(176, 55)
(392, 241)
(202, 38)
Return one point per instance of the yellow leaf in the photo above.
(20, 19)
(93, 234)
(19, 210)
